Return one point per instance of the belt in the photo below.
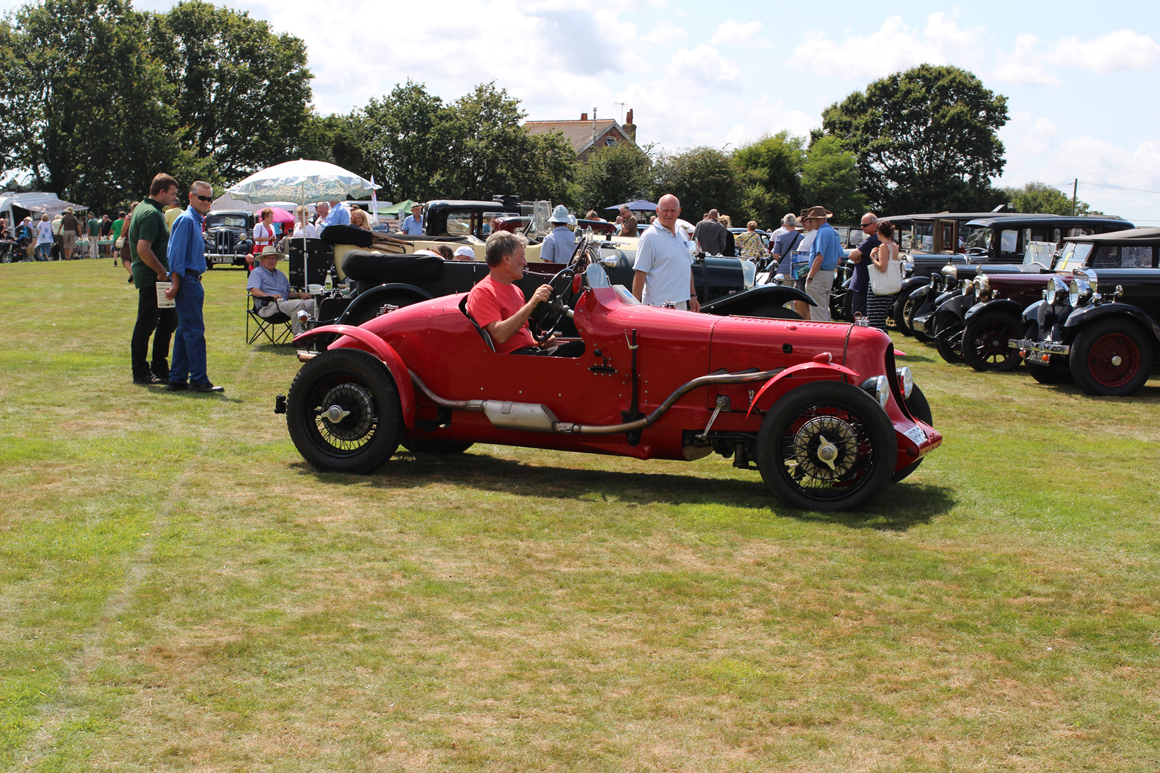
(192, 276)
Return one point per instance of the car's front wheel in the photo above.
(343, 412)
(1111, 358)
(950, 344)
(826, 446)
(985, 340)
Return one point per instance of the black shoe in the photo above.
(147, 380)
(177, 386)
(160, 369)
(206, 387)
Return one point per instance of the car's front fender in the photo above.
(817, 370)
(1087, 314)
(1001, 305)
(351, 337)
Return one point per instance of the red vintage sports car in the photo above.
(820, 409)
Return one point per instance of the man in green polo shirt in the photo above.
(148, 243)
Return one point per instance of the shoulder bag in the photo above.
(886, 282)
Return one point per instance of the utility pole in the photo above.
(594, 128)
(1074, 192)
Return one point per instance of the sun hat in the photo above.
(559, 215)
(465, 252)
(817, 213)
(270, 251)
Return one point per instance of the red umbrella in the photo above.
(281, 215)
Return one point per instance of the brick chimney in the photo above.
(584, 116)
(629, 126)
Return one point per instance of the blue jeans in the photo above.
(43, 251)
(189, 340)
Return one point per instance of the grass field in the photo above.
(179, 592)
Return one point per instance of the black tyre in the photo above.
(343, 412)
(920, 409)
(985, 340)
(1112, 357)
(950, 345)
(431, 446)
(826, 446)
(1055, 372)
(904, 314)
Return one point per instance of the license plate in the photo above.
(916, 434)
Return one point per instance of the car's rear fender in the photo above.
(351, 337)
(817, 371)
(756, 298)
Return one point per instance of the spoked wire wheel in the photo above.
(343, 412)
(826, 446)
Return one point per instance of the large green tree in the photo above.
(702, 179)
(1041, 198)
(241, 91)
(83, 107)
(926, 139)
(830, 178)
(420, 147)
(611, 175)
(770, 171)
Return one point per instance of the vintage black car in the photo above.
(724, 286)
(1099, 327)
(1001, 297)
(228, 237)
(996, 245)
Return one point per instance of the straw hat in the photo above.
(817, 213)
(270, 251)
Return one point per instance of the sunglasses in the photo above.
(199, 197)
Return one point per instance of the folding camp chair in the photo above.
(277, 327)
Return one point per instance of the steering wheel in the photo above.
(547, 315)
(580, 259)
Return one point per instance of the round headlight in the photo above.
(1092, 280)
(982, 286)
(879, 389)
(905, 381)
(1079, 292)
(966, 287)
(1056, 292)
(936, 282)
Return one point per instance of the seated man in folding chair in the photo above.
(272, 293)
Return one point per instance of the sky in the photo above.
(1080, 84)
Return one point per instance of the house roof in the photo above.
(578, 133)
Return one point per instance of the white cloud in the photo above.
(893, 47)
(1121, 51)
(665, 33)
(704, 67)
(732, 32)
(1034, 61)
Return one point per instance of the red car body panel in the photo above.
(435, 341)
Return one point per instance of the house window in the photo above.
(610, 142)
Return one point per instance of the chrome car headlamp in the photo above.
(982, 287)
(966, 286)
(1056, 292)
(905, 381)
(936, 282)
(1079, 292)
(879, 389)
(749, 273)
(1093, 282)
(951, 274)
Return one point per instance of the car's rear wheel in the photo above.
(920, 409)
(985, 340)
(1111, 358)
(826, 446)
(904, 314)
(343, 412)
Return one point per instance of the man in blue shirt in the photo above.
(271, 291)
(825, 253)
(339, 214)
(186, 265)
(413, 223)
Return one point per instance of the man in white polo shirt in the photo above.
(663, 270)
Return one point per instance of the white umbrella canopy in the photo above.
(303, 181)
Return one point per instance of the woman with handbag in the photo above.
(885, 277)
